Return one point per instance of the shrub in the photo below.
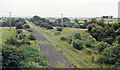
(12, 56)
(59, 29)
(25, 42)
(62, 38)
(31, 37)
(12, 41)
(77, 36)
(26, 26)
(100, 60)
(77, 44)
(101, 46)
(19, 26)
(19, 31)
(22, 36)
(29, 30)
(34, 56)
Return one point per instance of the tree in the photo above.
(19, 31)
(93, 20)
(59, 29)
(12, 56)
(77, 44)
(26, 26)
(31, 37)
(76, 20)
(77, 36)
(101, 46)
(19, 25)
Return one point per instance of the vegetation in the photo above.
(20, 48)
(96, 45)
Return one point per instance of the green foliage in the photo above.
(19, 31)
(101, 46)
(19, 26)
(48, 27)
(6, 23)
(77, 36)
(29, 30)
(106, 34)
(26, 26)
(12, 41)
(62, 38)
(12, 56)
(21, 20)
(33, 58)
(31, 37)
(42, 22)
(111, 55)
(77, 44)
(118, 31)
(59, 29)
(21, 36)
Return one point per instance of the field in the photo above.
(81, 59)
(5, 33)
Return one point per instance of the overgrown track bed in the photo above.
(52, 55)
(38, 36)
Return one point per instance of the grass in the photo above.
(43, 43)
(5, 33)
(80, 59)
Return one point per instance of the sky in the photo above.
(54, 8)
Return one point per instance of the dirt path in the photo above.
(53, 56)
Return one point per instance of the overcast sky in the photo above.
(53, 8)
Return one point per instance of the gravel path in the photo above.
(53, 56)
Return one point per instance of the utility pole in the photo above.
(10, 21)
(62, 19)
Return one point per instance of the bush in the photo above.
(110, 55)
(31, 37)
(33, 56)
(62, 38)
(12, 41)
(29, 30)
(77, 36)
(22, 36)
(19, 31)
(12, 56)
(25, 42)
(26, 26)
(59, 29)
(100, 60)
(19, 26)
(101, 46)
(77, 44)
(49, 27)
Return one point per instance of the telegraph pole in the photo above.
(62, 19)
(10, 21)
